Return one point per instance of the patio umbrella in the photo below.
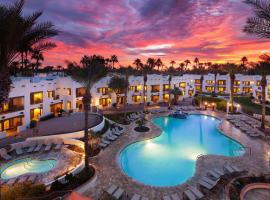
(76, 196)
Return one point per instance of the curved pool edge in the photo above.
(198, 159)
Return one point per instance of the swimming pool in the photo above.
(24, 166)
(170, 159)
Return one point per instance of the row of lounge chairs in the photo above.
(110, 136)
(207, 182)
(134, 116)
(246, 124)
(21, 179)
(116, 192)
(185, 108)
(31, 147)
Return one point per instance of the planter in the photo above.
(142, 129)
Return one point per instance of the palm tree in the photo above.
(170, 71)
(159, 63)
(260, 24)
(231, 69)
(118, 84)
(114, 59)
(92, 69)
(187, 62)
(182, 68)
(151, 63)
(137, 63)
(38, 56)
(215, 69)
(146, 69)
(19, 30)
(244, 60)
(263, 69)
(172, 63)
(176, 92)
(196, 61)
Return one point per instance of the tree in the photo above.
(119, 85)
(181, 68)
(176, 92)
(114, 59)
(151, 63)
(137, 63)
(92, 69)
(146, 69)
(159, 63)
(263, 69)
(17, 31)
(196, 61)
(187, 62)
(38, 56)
(170, 71)
(172, 63)
(215, 69)
(244, 60)
(260, 24)
(231, 69)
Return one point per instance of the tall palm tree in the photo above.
(187, 62)
(137, 63)
(18, 30)
(159, 63)
(231, 69)
(196, 61)
(92, 69)
(118, 84)
(114, 59)
(151, 62)
(38, 56)
(146, 69)
(172, 63)
(215, 69)
(181, 68)
(170, 71)
(176, 92)
(244, 60)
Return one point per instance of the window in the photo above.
(236, 90)
(11, 124)
(236, 83)
(136, 98)
(36, 97)
(247, 90)
(51, 94)
(166, 97)
(69, 106)
(209, 82)
(36, 113)
(221, 82)
(198, 88)
(247, 83)
(69, 91)
(209, 88)
(103, 90)
(197, 81)
(80, 92)
(258, 83)
(155, 88)
(155, 98)
(104, 102)
(166, 87)
(14, 104)
(56, 108)
(221, 89)
(182, 85)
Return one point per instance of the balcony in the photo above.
(11, 109)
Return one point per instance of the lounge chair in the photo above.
(196, 192)
(119, 130)
(4, 154)
(105, 141)
(48, 147)
(205, 184)
(39, 146)
(167, 197)
(115, 132)
(58, 147)
(236, 168)
(18, 150)
(221, 173)
(22, 179)
(111, 189)
(32, 178)
(119, 193)
(103, 145)
(136, 197)
(12, 181)
(31, 149)
(213, 174)
(189, 195)
(175, 197)
(229, 169)
(209, 180)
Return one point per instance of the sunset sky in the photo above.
(170, 29)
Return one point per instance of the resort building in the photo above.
(34, 97)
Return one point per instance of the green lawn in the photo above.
(220, 103)
(118, 118)
(249, 107)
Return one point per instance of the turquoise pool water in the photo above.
(24, 166)
(170, 159)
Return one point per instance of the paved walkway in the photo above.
(109, 172)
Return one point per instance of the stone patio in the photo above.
(109, 172)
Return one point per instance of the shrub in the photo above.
(22, 190)
(33, 124)
(69, 177)
(105, 128)
(47, 117)
(56, 185)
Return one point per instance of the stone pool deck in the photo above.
(109, 172)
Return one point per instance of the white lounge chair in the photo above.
(119, 193)
(196, 192)
(111, 189)
(58, 146)
(229, 169)
(189, 195)
(4, 154)
(18, 150)
(209, 180)
(115, 132)
(136, 197)
(213, 174)
(31, 149)
(38, 147)
(105, 141)
(119, 130)
(205, 184)
(221, 173)
(48, 147)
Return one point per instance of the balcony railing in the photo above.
(12, 109)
